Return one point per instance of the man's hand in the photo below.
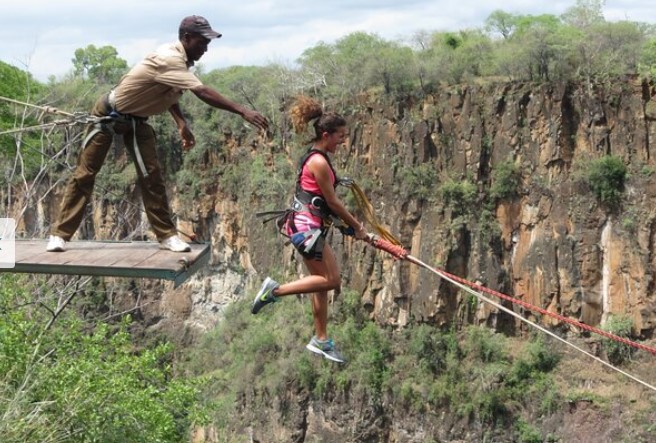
(256, 119)
(188, 139)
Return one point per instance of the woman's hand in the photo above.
(360, 232)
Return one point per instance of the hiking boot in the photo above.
(325, 348)
(56, 244)
(265, 296)
(174, 244)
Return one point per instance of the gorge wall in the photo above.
(551, 243)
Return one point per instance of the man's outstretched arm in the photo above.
(213, 98)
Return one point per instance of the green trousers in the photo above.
(80, 186)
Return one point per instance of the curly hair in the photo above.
(306, 109)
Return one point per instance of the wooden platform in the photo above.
(110, 259)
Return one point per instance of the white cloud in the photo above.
(43, 35)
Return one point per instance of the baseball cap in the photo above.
(199, 25)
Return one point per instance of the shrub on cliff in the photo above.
(505, 181)
(616, 352)
(606, 177)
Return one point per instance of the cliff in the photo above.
(433, 168)
(549, 242)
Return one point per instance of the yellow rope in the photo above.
(368, 211)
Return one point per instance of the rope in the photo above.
(75, 118)
(559, 317)
(368, 211)
(45, 109)
(399, 253)
(39, 127)
(535, 325)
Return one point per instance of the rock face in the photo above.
(551, 243)
(548, 242)
(431, 168)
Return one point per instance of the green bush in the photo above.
(460, 196)
(606, 177)
(484, 345)
(527, 433)
(505, 181)
(77, 383)
(538, 357)
(419, 181)
(616, 352)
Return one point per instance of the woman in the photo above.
(306, 223)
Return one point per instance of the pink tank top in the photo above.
(308, 182)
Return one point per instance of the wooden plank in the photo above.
(114, 259)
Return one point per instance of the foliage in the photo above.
(17, 85)
(256, 179)
(505, 181)
(616, 352)
(460, 196)
(647, 62)
(606, 177)
(356, 62)
(421, 368)
(419, 181)
(502, 22)
(527, 433)
(101, 64)
(73, 383)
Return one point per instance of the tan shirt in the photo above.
(155, 84)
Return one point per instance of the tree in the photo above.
(501, 22)
(607, 50)
(460, 55)
(540, 39)
(648, 59)
(584, 14)
(18, 85)
(356, 62)
(100, 64)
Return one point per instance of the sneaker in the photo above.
(265, 296)
(325, 348)
(56, 244)
(174, 244)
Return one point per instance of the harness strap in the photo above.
(111, 99)
(315, 206)
(97, 127)
(308, 201)
(271, 215)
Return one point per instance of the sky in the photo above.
(41, 36)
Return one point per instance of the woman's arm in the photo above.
(319, 167)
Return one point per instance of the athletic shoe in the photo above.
(174, 244)
(325, 348)
(265, 296)
(56, 244)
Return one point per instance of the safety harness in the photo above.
(107, 125)
(304, 201)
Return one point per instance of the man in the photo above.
(151, 87)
